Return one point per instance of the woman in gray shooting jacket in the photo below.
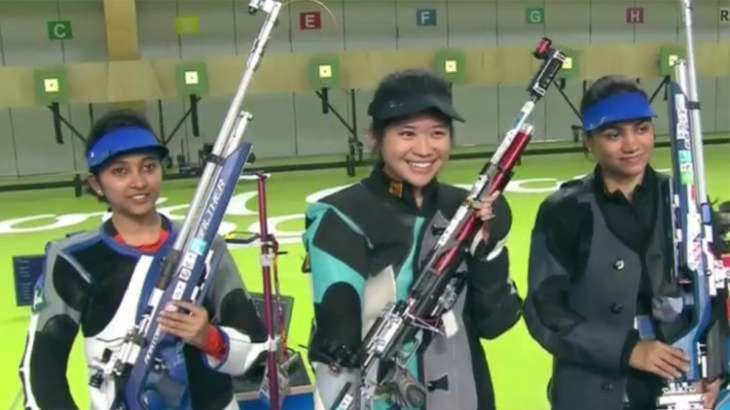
(599, 264)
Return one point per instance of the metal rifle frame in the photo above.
(695, 266)
(186, 271)
(438, 286)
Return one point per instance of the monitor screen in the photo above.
(286, 303)
(26, 271)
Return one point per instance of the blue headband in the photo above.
(616, 108)
(120, 141)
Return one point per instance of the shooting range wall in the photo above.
(371, 37)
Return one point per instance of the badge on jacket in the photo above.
(39, 297)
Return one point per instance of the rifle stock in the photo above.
(696, 269)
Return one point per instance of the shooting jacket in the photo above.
(581, 307)
(365, 244)
(94, 283)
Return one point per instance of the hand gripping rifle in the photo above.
(146, 371)
(383, 354)
(700, 275)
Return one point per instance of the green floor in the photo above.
(519, 367)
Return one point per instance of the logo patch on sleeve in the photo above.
(39, 299)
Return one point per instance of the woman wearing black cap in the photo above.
(598, 265)
(365, 243)
(98, 281)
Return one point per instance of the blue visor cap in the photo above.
(121, 141)
(616, 108)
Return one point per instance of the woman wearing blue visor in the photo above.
(598, 265)
(97, 281)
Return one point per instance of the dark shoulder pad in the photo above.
(347, 199)
(571, 183)
(577, 185)
(360, 205)
(568, 192)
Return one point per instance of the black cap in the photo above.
(409, 92)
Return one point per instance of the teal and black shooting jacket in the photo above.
(365, 245)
